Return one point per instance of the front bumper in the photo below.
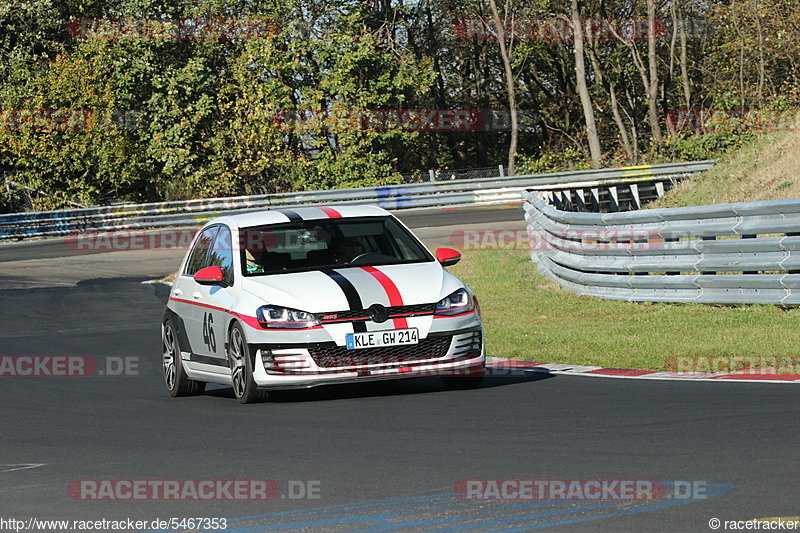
(444, 353)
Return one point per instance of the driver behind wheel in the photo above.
(347, 248)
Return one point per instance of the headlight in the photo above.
(272, 316)
(457, 303)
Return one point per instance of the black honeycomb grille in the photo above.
(328, 355)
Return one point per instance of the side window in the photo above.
(222, 253)
(197, 259)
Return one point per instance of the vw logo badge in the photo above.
(378, 313)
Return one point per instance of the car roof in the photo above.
(281, 216)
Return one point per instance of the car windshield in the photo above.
(329, 243)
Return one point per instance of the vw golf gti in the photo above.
(315, 296)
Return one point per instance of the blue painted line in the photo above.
(373, 523)
(376, 507)
(324, 522)
(490, 523)
(665, 504)
(399, 526)
(385, 515)
(379, 523)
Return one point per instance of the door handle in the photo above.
(196, 295)
(177, 292)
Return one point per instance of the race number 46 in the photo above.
(208, 332)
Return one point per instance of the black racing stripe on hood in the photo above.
(350, 292)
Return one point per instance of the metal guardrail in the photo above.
(723, 254)
(444, 193)
(630, 190)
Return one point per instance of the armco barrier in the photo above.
(442, 193)
(726, 254)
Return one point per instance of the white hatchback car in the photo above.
(313, 296)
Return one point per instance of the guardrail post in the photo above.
(595, 192)
(580, 201)
(637, 202)
(749, 271)
(613, 197)
(568, 198)
(660, 188)
(431, 175)
(558, 199)
(502, 171)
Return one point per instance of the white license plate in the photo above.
(375, 339)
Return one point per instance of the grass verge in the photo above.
(528, 317)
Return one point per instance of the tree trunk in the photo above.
(583, 90)
(652, 61)
(687, 87)
(509, 75)
(623, 132)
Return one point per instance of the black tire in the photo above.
(241, 365)
(175, 378)
(472, 381)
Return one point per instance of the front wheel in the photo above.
(175, 378)
(241, 364)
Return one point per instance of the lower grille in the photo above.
(328, 355)
(469, 343)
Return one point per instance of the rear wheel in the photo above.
(175, 378)
(241, 365)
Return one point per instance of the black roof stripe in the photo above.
(292, 215)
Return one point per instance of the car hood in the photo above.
(337, 290)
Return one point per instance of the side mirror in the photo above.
(447, 256)
(210, 276)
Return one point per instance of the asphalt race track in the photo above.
(376, 457)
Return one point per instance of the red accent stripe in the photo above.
(249, 320)
(332, 213)
(395, 299)
(190, 302)
(398, 315)
(454, 316)
(345, 320)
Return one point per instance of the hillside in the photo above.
(767, 168)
